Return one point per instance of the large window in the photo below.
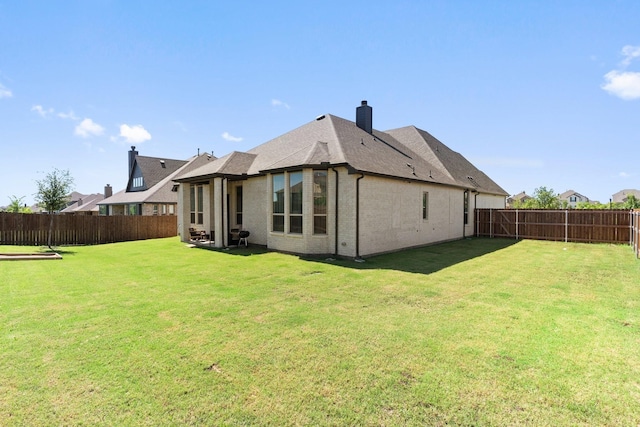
(425, 205)
(135, 209)
(319, 202)
(239, 205)
(295, 202)
(200, 204)
(278, 202)
(196, 204)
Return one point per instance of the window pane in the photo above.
(319, 192)
(200, 197)
(295, 193)
(425, 205)
(278, 223)
(192, 198)
(278, 194)
(239, 199)
(295, 224)
(320, 224)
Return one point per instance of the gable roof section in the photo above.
(151, 168)
(235, 163)
(161, 191)
(446, 161)
(85, 203)
(405, 153)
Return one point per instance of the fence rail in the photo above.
(33, 229)
(574, 225)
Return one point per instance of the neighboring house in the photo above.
(519, 199)
(572, 198)
(84, 204)
(621, 196)
(149, 186)
(337, 187)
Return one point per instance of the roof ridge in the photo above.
(335, 135)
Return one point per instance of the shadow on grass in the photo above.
(57, 250)
(235, 250)
(423, 260)
(428, 259)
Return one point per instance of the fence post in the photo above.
(517, 225)
(566, 225)
(491, 223)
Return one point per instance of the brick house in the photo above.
(149, 185)
(333, 186)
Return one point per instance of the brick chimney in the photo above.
(108, 191)
(364, 117)
(132, 157)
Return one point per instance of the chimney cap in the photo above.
(364, 102)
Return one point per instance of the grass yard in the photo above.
(474, 332)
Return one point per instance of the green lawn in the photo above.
(473, 332)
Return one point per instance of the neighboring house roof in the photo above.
(569, 193)
(406, 153)
(154, 170)
(621, 196)
(160, 191)
(85, 203)
(522, 196)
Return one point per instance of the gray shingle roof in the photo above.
(406, 153)
(153, 171)
(85, 203)
(161, 191)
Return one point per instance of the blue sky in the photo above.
(543, 93)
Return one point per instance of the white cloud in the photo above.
(278, 103)
(228, 137)
(623, 84)
(630, 53)
(135, 134)
(88, 128)
(40, 110)
(625, 175)
(4, 92)
(70, 115)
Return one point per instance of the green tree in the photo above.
(16, 205)
(544, 198)
(53, 193)
(632, 202)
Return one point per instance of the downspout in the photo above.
(465, 200)
(475, 209)
(335, 251)
(222, 205)
(358, 217)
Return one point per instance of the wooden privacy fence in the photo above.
(33, 229)
(573, 225)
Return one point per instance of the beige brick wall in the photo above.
(255, 201)
(391, 215)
